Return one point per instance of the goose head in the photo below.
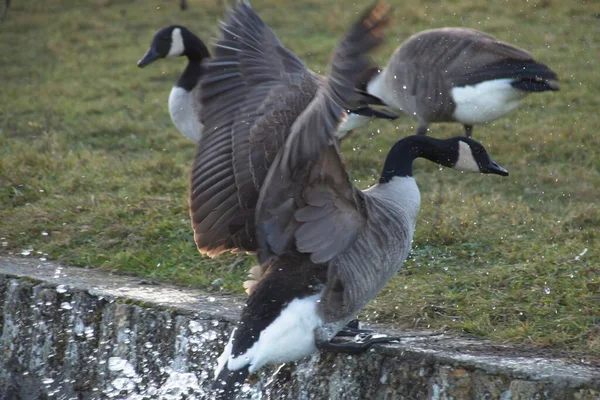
(460, 153)
(171, 41)
(471, 156)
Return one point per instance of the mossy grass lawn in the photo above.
(93, 173)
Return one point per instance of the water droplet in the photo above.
(26, 252)
(211, 299)
(65, 305)
(61, 288)
(547, 290)
(148, 345)
(578, 256)
(47, 381)
(44, 233)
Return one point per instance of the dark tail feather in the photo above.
(368, 99)
(516, 69)
(534, 85)
(228, 383)
(375, 113)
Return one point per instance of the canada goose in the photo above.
(334, 96)
(184, 105)
(253, 90)
(457, 75)
(327, 248)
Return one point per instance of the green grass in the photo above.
(93, 173)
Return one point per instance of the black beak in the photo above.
(493, 168)
(150, 56)
(374, 113)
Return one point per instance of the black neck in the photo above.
(190, 76)
(195, 49)
(400, 158)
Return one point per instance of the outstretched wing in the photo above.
(308, 202)
(251, 92)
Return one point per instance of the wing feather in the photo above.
(307, 202)
(240, 93)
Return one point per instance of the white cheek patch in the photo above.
(466, 161)
(177, 47)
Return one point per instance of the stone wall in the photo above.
(71, 333)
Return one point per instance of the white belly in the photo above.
(289, 338)
(184, 114)
(485, 101)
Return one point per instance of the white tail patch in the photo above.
(289, 338)
(379, 88)
(254, 275)
(485, 101)
(177, 47)
(466, 161)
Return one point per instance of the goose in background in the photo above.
(184, 99)
(326, 247)
(457, 75)
(253, 90)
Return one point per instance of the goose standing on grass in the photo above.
(457, 75)
(253, 90)
(326, 247)
(184, 100)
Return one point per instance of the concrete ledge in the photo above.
(84, 334)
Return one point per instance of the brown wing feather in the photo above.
(252, 90)
(308, 202)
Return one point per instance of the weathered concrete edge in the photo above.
(444, 349)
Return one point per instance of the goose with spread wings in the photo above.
(252, 91)
(326, 248)
(281, 315)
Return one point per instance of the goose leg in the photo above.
(422, 129)
(4, 9)
(468, 130)
(351, 329)
(355, 347)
